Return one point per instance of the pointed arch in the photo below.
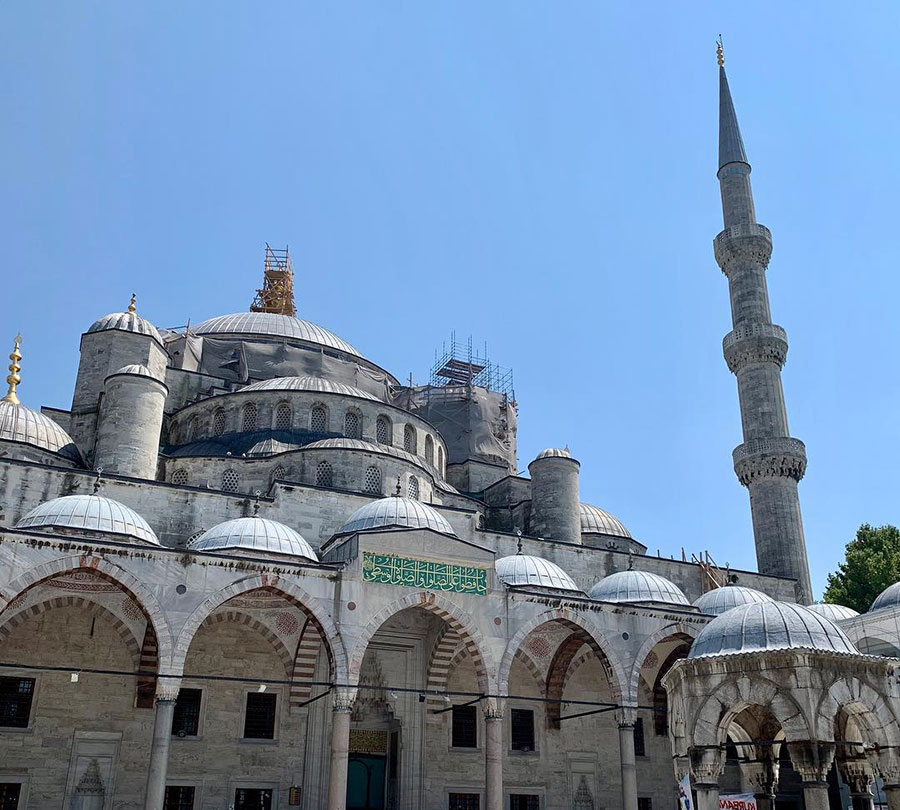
(686, 632)
(439, 663)
(868, 708)
(240, 617)
(305, 659)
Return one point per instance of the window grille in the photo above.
(230, 481)
(186, 716)
(465, 801)
(249, 420)
(279, 473)
(412, 489)
(259, 720)
(252, 799)
(383, 430)
(373, 481)
(352, 425)
(9, 795)
(522, 729)
(318, 419)
(409, 439)
(283, 418)
(464, 733)
(180, 477)
(219, 422)
(16, 695)
(195, 535)
(179, 797)
(324, 475)
(645, 803)
(640, 749)
(524, 801)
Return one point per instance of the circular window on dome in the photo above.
(412, 488)
(230, 481)
(373, 481)
(324, 474)
(180, 476)
(283, 417)
(219, 422)
(196, 534)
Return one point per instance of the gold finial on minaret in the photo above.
(720, 52)
(132, 304)
(14, 368)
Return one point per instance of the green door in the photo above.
(365, 782)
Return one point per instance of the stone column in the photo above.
(706, 767)
(887, 765)
(858, 776)
(340, 748)
(626, 761)
(812, 760)
(761, 774)
(166, 695)
(493, 753)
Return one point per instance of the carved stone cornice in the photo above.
(755, 343)
(779, 457)
(743, 243)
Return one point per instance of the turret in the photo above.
(555, 507)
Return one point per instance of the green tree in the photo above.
(872, 563)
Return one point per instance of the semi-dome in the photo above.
(834, 613)
(315, 384)
(254, 534)
(404, 513)
(89, 514)
(523, 569)
(889, 597)
(126, 322)
(595, 520)
(637, 586)
(770, 626)
(270, 324)
(19, 423)
(721, 599)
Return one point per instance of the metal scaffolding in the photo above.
(277, 293)
(460, 364)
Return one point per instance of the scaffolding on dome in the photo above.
(277, 293)
(460, 364)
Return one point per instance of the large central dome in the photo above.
(269, 324)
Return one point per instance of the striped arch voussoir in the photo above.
(305, 658)
(239, 617)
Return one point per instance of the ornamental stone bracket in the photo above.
(740, 244)
(811, 759)
(781, 457)
(755, 343)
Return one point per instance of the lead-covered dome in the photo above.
(554, 452)
(19, 423)
(834, 613)
(638, 586)
(254, 534)
(126, 322)
(270, 324)
(396, 512)
(89, 514)
(889, 597)
(595, 520)
(315, 384)
(523, 569)
(725, 598)
(770, 626)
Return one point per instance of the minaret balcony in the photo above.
(755, 343)
(777, 457)
(750, 242)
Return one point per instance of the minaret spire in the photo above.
(769, 462)
(14, 379)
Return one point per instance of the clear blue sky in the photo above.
(541, 175)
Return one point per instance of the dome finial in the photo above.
(132, 304)
(720, 52)
(14, 368)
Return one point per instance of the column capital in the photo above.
(707, 765)
(493, 707)
(342, 700)
(167, 688)
(886, 762)
(857, 773)
(812, 760)
(626, 716)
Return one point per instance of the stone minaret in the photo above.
(769, 462)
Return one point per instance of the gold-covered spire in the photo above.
(132, 304)
(14, 368)
(720, 52)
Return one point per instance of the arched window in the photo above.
(173, 432)
(409, 439)
(383, 430)
(283, 417)
(318, 419)
(230, 481)
(429, 449)
(373, 481)
(352, 424)
(440, 460)
(196, 534)
(324, 475)
(249, 420)
(279, 473)
(193, 428)
(219, 422)
(412, 488)
(180, 477)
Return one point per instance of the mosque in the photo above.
(251, 569)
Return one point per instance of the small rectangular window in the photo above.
(464, 801)
(186, 718)
(16, 695)
(465, 727)
(524, 801)
(522, 729)
(9, 795)
(179, 797)
(645, 803)
(253, 799)
(640, 749)
(259, 721)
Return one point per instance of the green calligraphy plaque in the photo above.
(436, 576)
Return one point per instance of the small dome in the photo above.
(404, 513)
(254, 534)
(270, 324)
(595, 520)
(554, 452)
(834, 613)
(126, 322)
(270, 447)
(315, 384)
(136, 369)
(523, 569)
(770, 626)
(19, 423)
(89, 514)
(722, 599)
(637, 586)
(889, 597)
